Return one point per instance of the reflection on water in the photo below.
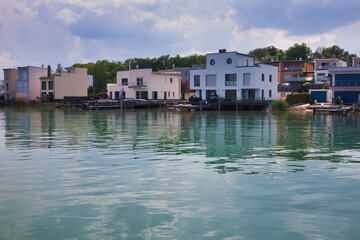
(177, 175)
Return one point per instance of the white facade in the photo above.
(234, 76)
(145, 84)
(321, 73)
(28, 84)
(356, 61)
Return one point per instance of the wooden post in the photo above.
(121, 104)
(236, 104)
(218, 104)
(200, 106)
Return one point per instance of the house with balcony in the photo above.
(10, 76)
(293, 71)
(321, 72)
(234, 76)
(146, 84)
(73, 82)
(28, 85)
(345, 83)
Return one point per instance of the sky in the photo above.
(36, 32)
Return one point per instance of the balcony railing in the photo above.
(137, 85)
(299, 79)
(325, 67)
(324, 78)
(290, 69)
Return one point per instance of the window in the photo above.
(246, 79)
(262, 94)
(139, 82)
(262, 77)
(230, 79)
(269, 93)
(25, 75)
(110, 95)
(141, 95)
(196, 80)
(155, 95)
(43, 85)
(173, 94)
(7, 76)
(117, 95)
(287, 77)
(270, 78)
(124, 81)
(170, 80)
(169, 94)
(229, 61)
(7, 86)
(212, 62)
(51, 85)
(211, 80)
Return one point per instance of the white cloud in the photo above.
(257, 37)
(6, 61)
(68, 16)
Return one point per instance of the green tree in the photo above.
(59, 68)
(334, 51)
(267, 54)
(298, 51)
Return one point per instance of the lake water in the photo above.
(72, 174)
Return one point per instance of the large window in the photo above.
(270, 78)
(270, 93)
(51, 85)
(262, 77)
(196, 80)
(230, 79)
(141, 95)
(246, 79)
(43, 85)
(154, 95)
(211, 80)
(139, 82)
(124, 81)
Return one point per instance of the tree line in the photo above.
(301, 51)
(104, 71)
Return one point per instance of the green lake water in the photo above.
(72, 174)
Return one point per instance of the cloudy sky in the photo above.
(35, 32)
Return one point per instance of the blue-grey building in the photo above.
(345, 83)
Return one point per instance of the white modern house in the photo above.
(146, 84)
(321, 67)
(235, 76)
(28, 85)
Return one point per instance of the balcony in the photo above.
(137, 85)
(299, 79)
(291, 69)
(325, 67)
(323, 79)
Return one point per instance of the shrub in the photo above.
(279, 106)
(298, 98)
(22, 102)
(325, 86)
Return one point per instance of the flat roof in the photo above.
(344, 69)
(277, 61)
(242, 54)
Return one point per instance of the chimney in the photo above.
(133, 65)
(49, 71)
